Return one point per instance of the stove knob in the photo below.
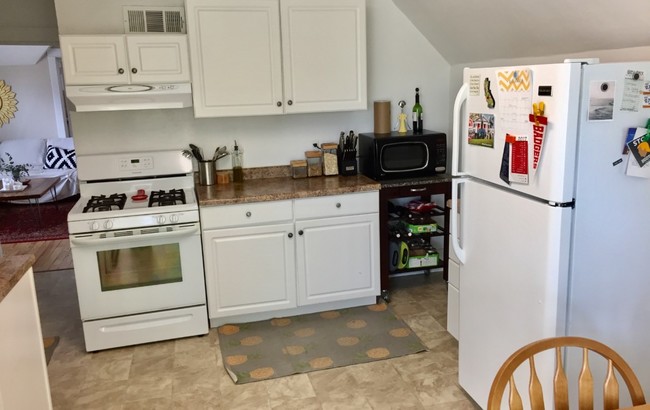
(108, 224)
(173, 218)
(94, 226)
(161, 219)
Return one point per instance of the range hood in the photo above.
(88, 98)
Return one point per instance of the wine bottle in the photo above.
(417, 113)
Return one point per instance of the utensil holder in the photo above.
(347, 161)
(207, 172)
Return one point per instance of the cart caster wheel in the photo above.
(385, 296)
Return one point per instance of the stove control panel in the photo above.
(136, 163)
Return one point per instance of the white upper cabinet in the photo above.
(235, 53)
(324, 55)
(262, 57)
(125, 59)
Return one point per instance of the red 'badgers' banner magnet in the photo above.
(539, 128)
(518, 158)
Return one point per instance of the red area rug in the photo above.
(19, 223)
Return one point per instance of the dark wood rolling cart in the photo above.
(424, 188)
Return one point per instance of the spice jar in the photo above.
(314, 163)
(330, 161)
(299, 168)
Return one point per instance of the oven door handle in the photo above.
(135, 238)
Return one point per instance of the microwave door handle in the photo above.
(455, 244)
(136, 238)
(461, 97)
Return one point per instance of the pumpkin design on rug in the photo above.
(284, 346)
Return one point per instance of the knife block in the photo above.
(347, 162)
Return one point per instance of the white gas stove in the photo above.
(136, 247)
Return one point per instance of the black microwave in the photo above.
(395, 155)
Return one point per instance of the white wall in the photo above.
(35, 117)
(399, 59)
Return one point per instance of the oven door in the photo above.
(138, 270)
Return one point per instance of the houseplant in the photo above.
(15, 170)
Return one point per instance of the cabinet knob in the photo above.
(290, 102)
(300, 232)
(120, 71)
(248, 214)
(134, 70)
(279, 103)
(290, 235)
(338, 204)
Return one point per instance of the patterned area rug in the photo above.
(20, 223)
(299, 344)
(49, 344)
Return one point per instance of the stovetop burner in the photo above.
(164, 198)
(99, 203)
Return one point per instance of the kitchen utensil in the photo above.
(197, 152)
(187, 153)
(220, 153)
(140, 195)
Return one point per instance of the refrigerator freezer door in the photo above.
(553, 180)
(513, 281)
(610, 272)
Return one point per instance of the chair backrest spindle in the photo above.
(585, 384)
(505, 376)
(560, 383)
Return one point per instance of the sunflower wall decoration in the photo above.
(8, 103)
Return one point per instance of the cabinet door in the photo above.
(236, 57)
(249, 269)
(94, 60)
(324, 55)
(158, 58)
(337, 258)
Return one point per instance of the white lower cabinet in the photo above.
(337, 258)
(23, 372)
(277, 258)
(251, 269)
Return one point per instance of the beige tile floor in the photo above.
(187, 373)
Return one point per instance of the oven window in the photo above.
(404, 157)
(139, 266)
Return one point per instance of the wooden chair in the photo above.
(560, 384)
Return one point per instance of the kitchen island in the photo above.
(281, 246)
(23, 373)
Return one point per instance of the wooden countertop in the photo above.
(12, 269)
(279, 188)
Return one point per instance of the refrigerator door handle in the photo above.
(460, 252)
(461, 97)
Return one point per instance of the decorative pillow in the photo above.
(60, 158)
(24, 151)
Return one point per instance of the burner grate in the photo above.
(100, 203)
(164, 198)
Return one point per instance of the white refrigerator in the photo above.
(555, 217)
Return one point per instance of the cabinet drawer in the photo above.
(337, 205)
(256, 213)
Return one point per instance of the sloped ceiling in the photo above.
(470, 31)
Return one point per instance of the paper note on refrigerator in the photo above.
(518, 158)
(515, 100)
(638, 154)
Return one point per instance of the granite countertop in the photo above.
(12, 269)
(279, 188)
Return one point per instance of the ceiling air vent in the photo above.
(154, 20)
